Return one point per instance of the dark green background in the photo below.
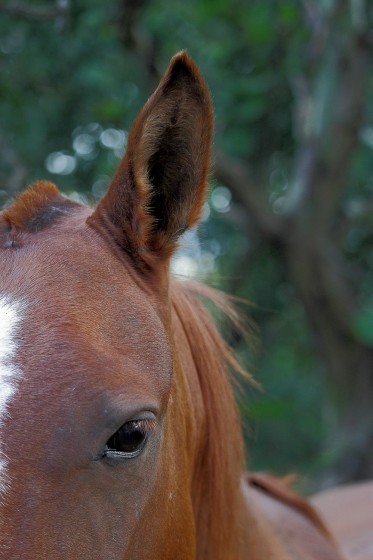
(276, 69)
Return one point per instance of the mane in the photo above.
(39, 206)
(216, 483)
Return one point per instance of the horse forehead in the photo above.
(11, 311)
(71, 267)
(80, 299)
(10, 317)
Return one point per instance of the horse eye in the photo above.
(129, 440)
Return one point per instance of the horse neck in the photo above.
(216, 440)
(229, 525)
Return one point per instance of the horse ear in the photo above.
(159, 188)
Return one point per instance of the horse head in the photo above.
(119, 435)
(98, 441)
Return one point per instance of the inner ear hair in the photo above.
(173, 154)
(170, 153)
(159, 188)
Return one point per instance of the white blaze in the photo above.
(10, 317)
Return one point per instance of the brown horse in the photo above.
(119, 436)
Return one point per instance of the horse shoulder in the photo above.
(260, 539)
(348, 510)
(294, 526)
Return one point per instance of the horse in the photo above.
(119, 433)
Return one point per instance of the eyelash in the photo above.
(145, 425)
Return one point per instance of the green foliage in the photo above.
(363, 325)
(64, 85)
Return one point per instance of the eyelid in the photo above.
(119, 412)
(121, 455)
(145, 425)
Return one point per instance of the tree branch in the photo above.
(234, 174)
(20, 10)
(328, 119)
(14, 180)
(145, 47)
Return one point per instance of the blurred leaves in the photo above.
(363, 325)
(271, 67)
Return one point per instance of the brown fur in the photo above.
(159, 189)
(100, 342)
(37, 208)
(216, 488)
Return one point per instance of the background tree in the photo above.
(289, 221)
